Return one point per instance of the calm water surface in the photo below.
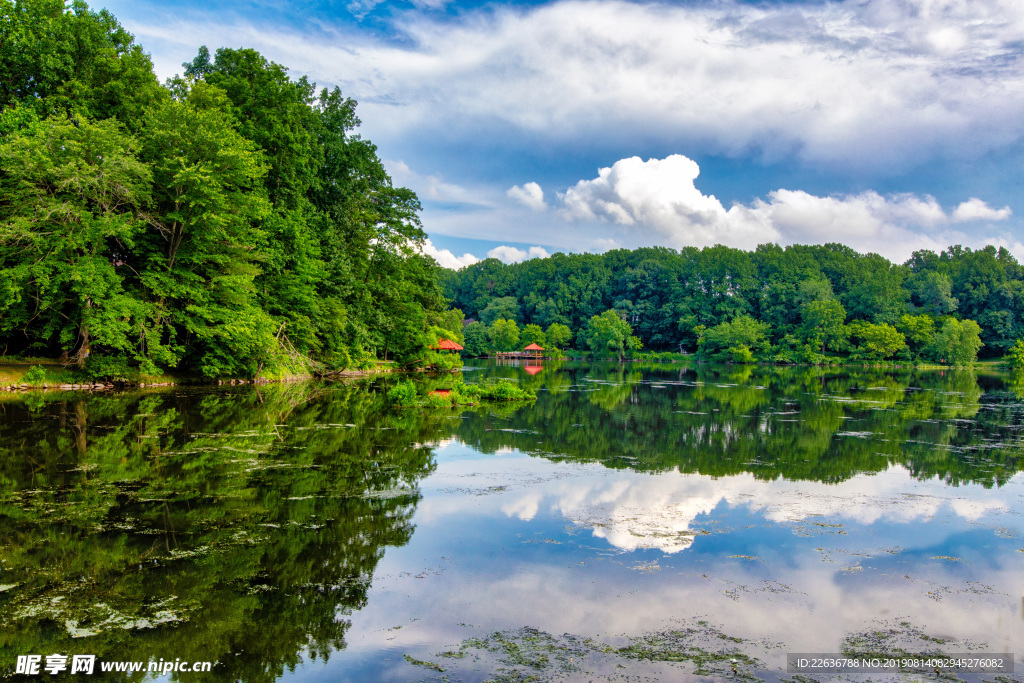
(637, 522)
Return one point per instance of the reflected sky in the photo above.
(510, 539)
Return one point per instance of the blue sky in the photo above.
(584, 125)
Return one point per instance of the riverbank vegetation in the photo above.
(799, 304)
(230, 222)
(407, 394)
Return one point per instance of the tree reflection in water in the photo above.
(243, 525)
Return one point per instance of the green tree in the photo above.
(933, 291)
(504, 334)
(877, 341)
(558, 335)
(609, 335)
(919, 331)
(72, 211)
(735, 339)
(1016, 355)
(823, 323)
(533, 334)
(476, 339)
(450, 321)
(506, 308)
(69, 62)
(813, 290)
(201, 257)
(957, 342)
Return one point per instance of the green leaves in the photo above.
(72, 63)
(238, 227)
(877, 341)
(1016, 355)
(558, 335)
(823, 323)
(609, 335)
(73, 209)
(736, 339)
(504, 335)
(957, 342)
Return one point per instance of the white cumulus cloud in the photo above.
(446, 258)
(660, 195)
(513, 255)
(530, 195)
(657, 200)
(975, 209)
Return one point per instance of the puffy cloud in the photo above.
(513, 255)
(657, 200)
(530, 195)
(660, 194)
(446, 258)
(976, 210)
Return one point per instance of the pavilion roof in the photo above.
(533, 347)
(446, 345)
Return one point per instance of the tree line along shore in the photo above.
(231, 223)
(798, 304)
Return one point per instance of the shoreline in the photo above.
(11, 378)
(18, 386)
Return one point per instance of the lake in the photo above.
(637, 522)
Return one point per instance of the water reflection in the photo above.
(236, 526)
(796, 423)
(314, 527)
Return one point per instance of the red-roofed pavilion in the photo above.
(534, 349)
(446, 345)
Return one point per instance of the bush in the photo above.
(741, 354)
(504, 390)
(438, 401)
(1016, 356)
(403, 393)
(35, 376)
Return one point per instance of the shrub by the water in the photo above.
(403, 393)
(36, 375)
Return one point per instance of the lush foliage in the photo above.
(736, 339)
(229, 223)
(1016, 355)
(957, 342)
(609, 335)
(812, 299)
(504, 334)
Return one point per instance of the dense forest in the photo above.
(793, 304)
(227, 222)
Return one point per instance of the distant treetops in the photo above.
(227, 222)
(799, 304)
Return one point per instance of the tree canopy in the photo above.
(230, 222)
(812, 298)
